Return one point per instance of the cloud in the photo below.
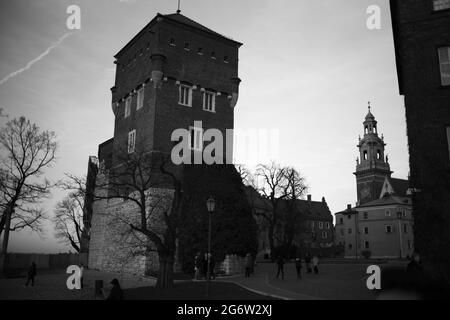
(40, 57)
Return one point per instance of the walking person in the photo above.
(298, 267)
(81, 275)
(116, 292)
(308, 262)
(248, 265)
(316, 261)
(31, 274)
(197, 266)
(280, 265)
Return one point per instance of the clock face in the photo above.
(365, 192)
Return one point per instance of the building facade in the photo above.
(422, 48)
(381, 223)
(174, 74)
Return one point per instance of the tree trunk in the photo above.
(166, 265)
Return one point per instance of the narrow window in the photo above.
(366, 215)
(388, 228)
(196, 138)
(405, 229)
(366, 230)
(172, 42)
(131, 141)
(350, 246)
(444, 64)
(387, 213)
(186, 46)
(213, 55)
(128, 106)
(328, 225)
(140, 98)
(320, 225)
(324, 235)
(365, 155)
(209, 101)
(378, 155)
(366, 245)
(200, 51)
(225, 59)
(349, 230)
(185, 95)
(441, 5)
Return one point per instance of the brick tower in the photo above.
(174, 74)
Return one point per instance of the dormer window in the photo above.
(213, 55)
(225, 59)
(172, 42)
(186, 46)
(200, 51)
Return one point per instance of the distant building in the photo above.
(422, 49)
(381, 224)
(314, 226)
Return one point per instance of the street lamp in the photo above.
(399, 217)
(210, 205)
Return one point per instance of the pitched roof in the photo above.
(400, 186)
(178, 17)
(388, 200)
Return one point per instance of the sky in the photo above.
(308, 69)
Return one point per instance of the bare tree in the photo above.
(68, 220)
(139, 177)
(280, 187)
(25, 152)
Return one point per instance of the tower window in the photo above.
(140, 98)
(196, 138)
(366, 130)
(185, 95)
(209, 101)
(378, 155)
(444, 63)
(131, 141)
(365, 155)
(441, 5)
(128, 106)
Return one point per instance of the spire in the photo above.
(178, 10)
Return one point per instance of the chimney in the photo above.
(323, 200)
(349, 207)
(309, 197)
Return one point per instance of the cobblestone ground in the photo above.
(53, 286)
(334, 281)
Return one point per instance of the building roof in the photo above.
(400, 186)
(387, 200)
(180, 19)
(312, 209)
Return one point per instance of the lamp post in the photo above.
(210, 205)
(399, 216)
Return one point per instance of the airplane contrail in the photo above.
(30, 64)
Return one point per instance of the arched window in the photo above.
(365, 155)
(366, 130)
(378, 155)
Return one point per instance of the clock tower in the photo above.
(372, 166)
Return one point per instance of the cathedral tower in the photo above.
(372, 165)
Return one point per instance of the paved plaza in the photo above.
(335, 281)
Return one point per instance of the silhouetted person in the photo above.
(298, 267)
(31, 274)
(248, 265)
(212, 265)
(81, 275)
(280, 265)
(205, 265)
(315, 262)
(116, 292)
(198, 266)
(308, 263)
